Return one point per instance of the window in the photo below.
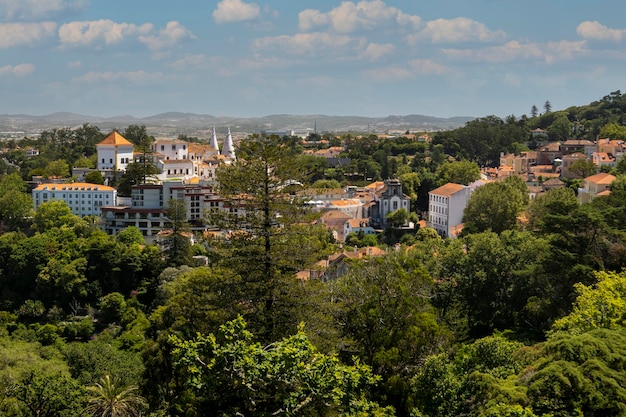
(111, 160)
(162, 147)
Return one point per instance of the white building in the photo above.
(114, 153)
(84, 199)
(170, 149)
(387, 199)
(445, 207)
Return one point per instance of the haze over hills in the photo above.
(174, 123)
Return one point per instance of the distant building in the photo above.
(388, 198)
(114, 153)
(445, 207)
(82, 198)
(594, 185)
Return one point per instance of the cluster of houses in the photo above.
(187, 173)
(542, 170)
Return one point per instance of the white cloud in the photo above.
(350, 17)
(377, 51)
(514, 51)
(136, 77)
(20, 70)
(597, 31)
(89, 32)
(229, 11)
(172, 34)
(74, 64)
(310, 43)
(38, 9)
(459, 29)
(25, 34)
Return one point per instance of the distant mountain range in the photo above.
(174, 123)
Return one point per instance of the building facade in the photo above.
(82, 198)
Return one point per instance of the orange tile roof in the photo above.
(448, 189)
(74, 186)
(115, 139)
(601, 178)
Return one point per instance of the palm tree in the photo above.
(109, 399)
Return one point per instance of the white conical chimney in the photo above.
(228, 150)
(213, 142)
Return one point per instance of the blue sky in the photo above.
(259, 57)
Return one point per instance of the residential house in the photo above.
(335, 221)
(602, 159)
(115, 152)
(568, 161)
(356, 226)
(594, 185)
(445, 207)
(584, 146)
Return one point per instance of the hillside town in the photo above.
(463, 262)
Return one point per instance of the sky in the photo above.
(250, 58)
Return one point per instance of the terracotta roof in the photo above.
(601, 178)
(356, 223)
(448, 189)
(115, 139)
(75, 186)
(345, 202)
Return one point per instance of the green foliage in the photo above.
(109, 398)
(323, 184)
(580, 375)
(94, 177)
(560, 129)
(130, 235)
(459, 172)
(57, 169)
(583, 168)
(231, 374)
(398, 217)
(387, 320)
(54, 213)
(613, 131)
(481, 214)
(602, 305)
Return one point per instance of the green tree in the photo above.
(613, 131)
(386, 316)
(560, 129)
(459, 172)
(583, 168)
(230, 374)
(53, 213)
(177, 246)
(15, 208)
(602, 305)
(110, 399)
(57, 169)
(481, 214)
(94, 177)
(398, 217)
(269, 242)
(130, 235)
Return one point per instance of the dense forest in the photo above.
(523, 315)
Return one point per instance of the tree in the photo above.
(230, 374)
(53, 213)
(583, 168)
(130, 235)
(388, 321)
(57, 169)
(560, 129)
(398, 217)
(602, 305)
(547, 106)
(94, 177)
(269, 241)
(15, 207)
(110, 399)
(556, 201)
(481, 214)
(178, 247)
(136, 173)
(534, 111)
(459, 172)
(613, 131)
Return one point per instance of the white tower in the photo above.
(213, 142)
(228, 150)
